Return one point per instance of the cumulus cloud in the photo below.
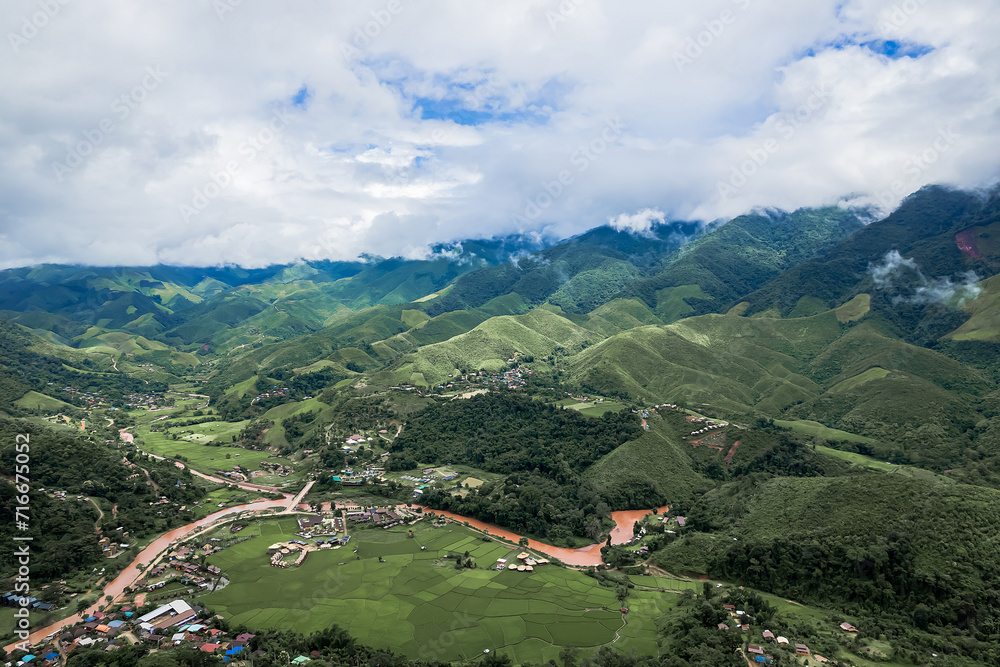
(640, 223)
(947, 291)
(923, 290)
(253, 133)
(891, 266)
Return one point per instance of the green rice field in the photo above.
(418, 604)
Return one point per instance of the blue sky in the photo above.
(265, 134)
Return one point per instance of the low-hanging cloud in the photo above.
(891, 266)
(640, 223)
(945, 290)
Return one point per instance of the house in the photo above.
(801, 649)
(756, 650)
(782, 641)
(723, 626)
(209, 648)
(176, 607)
(768, 636)
(847, 627)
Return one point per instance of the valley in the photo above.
(677, 422)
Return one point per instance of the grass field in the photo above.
(817, 430)
(418, 604)
(33, 400)
(204, 458)
(860, 459)
(590, 409)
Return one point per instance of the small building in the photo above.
(801, 649)
(847, 627)
(768, 636)
(754, 649)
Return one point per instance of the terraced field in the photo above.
(417, 603)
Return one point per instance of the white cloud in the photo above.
(640, 223)
(943, 290)
(782, 107)
(891, 266)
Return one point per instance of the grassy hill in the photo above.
(908, 547)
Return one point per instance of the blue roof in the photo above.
(90, 618)
(52, 656)
(27, 658)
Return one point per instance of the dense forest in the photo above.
(541, 448)
(63, 531)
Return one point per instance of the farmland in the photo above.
(416, 602)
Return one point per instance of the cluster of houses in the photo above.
(281, 551)
(525, 563)
(175, 624)
(382, 517)
(149, 401)
(88, 397)
(276, 392)
(199, 575)
(111, 548)
(34, 604)
(759, 655)
(710, 425)
(271, 468)
(350, 477)
(318, 524)
(237, 474)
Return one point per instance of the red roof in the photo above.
(210, 648)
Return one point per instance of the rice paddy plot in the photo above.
(417, 603)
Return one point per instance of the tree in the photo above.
(569, 656)
(523, 542)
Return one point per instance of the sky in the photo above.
(208, 132)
